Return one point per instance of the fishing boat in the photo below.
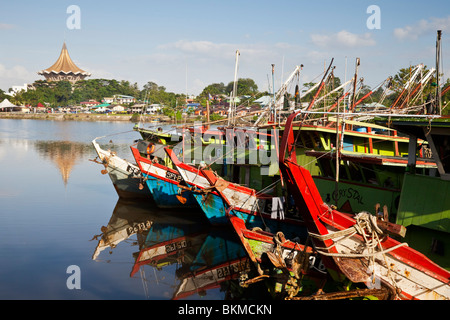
(220, 261)
(355, 182)
(126, 176)
(219, 198)
(295, 268)
(199, 179)
(166, 186)
(173, 238)
(128, 218)
(423, 206)
(359, 248)
(157, 134)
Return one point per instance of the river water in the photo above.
(55, 205)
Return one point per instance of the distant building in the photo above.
(119, 99)
(101, 108)
(16, 89)
(263, 101)
(153, 108)
(118, 108)
(64, 69)
(137, 108)
(89, 104)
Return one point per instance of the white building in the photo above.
(118, 108)
(16, 89)
(137, 108)
(153, 108)
(124, 99)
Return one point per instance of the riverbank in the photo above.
(85, 117)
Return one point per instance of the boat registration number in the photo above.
(139, 227)
(133, 171)
(233, 269)
(173, 176)
(176, 246)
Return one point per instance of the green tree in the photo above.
(245, 86)
(214, 89)
(3, 96)
(399, 81)
(62, 92)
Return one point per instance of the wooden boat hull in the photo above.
(221, 258)
(410, 274)
(218, 198)
(170, 240)
(164, 184)
(128, 218)
(125, 176)
(258, 242)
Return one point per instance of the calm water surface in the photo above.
(55, 205)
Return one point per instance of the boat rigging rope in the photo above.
(366, 226)
(114, 134)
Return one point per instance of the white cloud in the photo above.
(17, 75)
(422, 27)
(204, 48)
(211, 62)
(187, 65)
(343, 39)
(221, 51)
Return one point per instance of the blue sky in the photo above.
(187, 45)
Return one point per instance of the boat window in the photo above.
(343, 172)
(327, 169)
(306, 141)
(355, 172)
(369, 174)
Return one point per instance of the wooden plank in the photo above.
(392, 228)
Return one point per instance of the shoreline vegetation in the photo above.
(90, 117)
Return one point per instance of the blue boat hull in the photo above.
(165, 194)
(214, 208)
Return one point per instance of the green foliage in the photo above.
(215, 116)
(64, 93)
(152, 93)
(399, 80)
(3, 96)
(245, 86)
(213, 89)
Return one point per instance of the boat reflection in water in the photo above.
(127, 220)
(200, 257)
(64, 154)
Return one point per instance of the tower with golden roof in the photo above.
(64, 69)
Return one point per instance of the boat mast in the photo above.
(354, 84)
(438, 54)
(274, 111)
(232, 109)
(283, 89)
